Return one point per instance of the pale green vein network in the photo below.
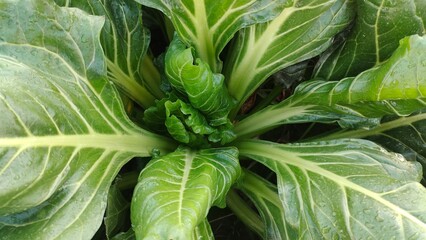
(259, 53)
(63, 124)
(276, 158)
(78, 79)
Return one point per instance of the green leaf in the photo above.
(395, 87)
(176, 191)
(186, 124)
(345, 189)
(208, 25)
(301, 31)
(379, 26)
(404, 135)
(125, 42)
(117, 212)
(63, 132)
(206, 90)
(264, 195)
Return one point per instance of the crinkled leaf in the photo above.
(404, 135)
(206, 90)
(186, 124)
(301, 31)
(117, 212)
(396, 87)
(176, 191)
(379, 26)
(345, 189)
(125, 42)
(264, 195)
(63, 132)
(208, 25)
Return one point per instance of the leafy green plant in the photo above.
(129, 119)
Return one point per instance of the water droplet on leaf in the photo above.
(379, 218)
(326, 230)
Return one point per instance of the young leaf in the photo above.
(301, 31)
(186, 124)
(379, 26)
(208, 25)
(63, 132)
(125, 42)
(176, 191)
(396, 87)
(345, 189)
(206, 90)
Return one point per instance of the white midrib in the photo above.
(189, 158)
(361, 133)
(267, 119)
(256, 50)
(295, 160)
(203, 34)
(376, 31)
(136, 91)
(134, 143)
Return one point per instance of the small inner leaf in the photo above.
(206, 90)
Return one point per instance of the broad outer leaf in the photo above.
(404, 135)
(208, 25)
(395, 87)
(301, 31)
(176, 191)
(345, 189)
(265, 197)
(125, 42)
(63, 131)
(379, 26)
